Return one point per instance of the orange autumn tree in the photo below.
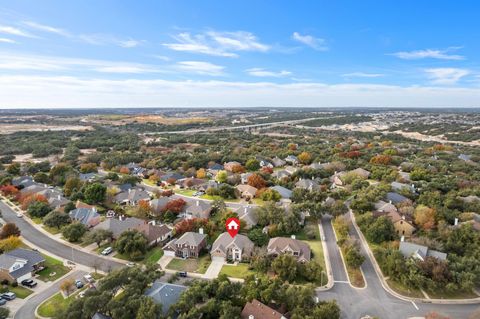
(381, 159)
(237, 168)
(9, 190)
(425, 217)
(256, 181)
(27, 199)
(201, 173)
(305, 157)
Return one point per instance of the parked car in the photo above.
(107, 251)
(29, 283)
(199, 193)
(89, 278)
(182, 274)
(9, 295)
(131, 264)
(19, 215)
(2, 301)
(78, 284)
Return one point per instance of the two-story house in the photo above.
(20, 264)
(189, 245)
(282, 245)
(238, 248)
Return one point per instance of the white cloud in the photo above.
(217, 43)
(318, 44)
(201, 67)
(106, 39)
(62, 91)
(266, 73)
(429, 53)
(15, 31)
(7, 40)
(46, 28)
(161, 57)
(446, 76)
(362, 75)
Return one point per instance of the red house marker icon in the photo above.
(233, 226)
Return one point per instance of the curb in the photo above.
(328, 265)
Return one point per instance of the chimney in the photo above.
(251, 317)
(94, 209)
(389, 201)
(456, 222)
(313, 178)
(402, 239)
(198, 203)
(293, 236)
(59, 197)
(200, 230)
(129, 190)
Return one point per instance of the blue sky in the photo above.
(239, 53)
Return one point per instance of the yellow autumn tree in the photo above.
(201, 173)
(425, 217)
(10, 243)
(305, 157)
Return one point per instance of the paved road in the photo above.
(374, 300)
(27, 311)
(41, 240)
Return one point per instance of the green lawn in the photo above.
(52, 230)
(153, 255)
(20, 291)
(444, 294)
(185, 192)
(199, 265)
(52, 265)
(51, 306)
(239, 271)
(403, 290)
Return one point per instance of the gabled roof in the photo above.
(306, 184)
(361, 172)
(247, 189)
(247, 214)
(165, 294)
(189, 238)
(216, 167)
(259, 311)
(86, 216)
(171, 175)
(284, 192)
(225, 241)
(277, 162)
(24, 181)
(395, 197)
(117, 227)
(279, 244)
(32, 257)
(134, 194)
(419, 251)
(399, 186)
(154, 232)
(86, 176)
(199, 208)
(158, 204)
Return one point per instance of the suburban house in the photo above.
(265, 163)
(244, 177)
(382, 206)
(206, 185)
(155, 233)
(158, 205)
(396, 198)
(226, 248)
(118, 226)
(396, 186)
(230, 165)
(308, 184)
(403, 224)
(87, 177)
(404, 176)
(465, 157)
(189, 245)
(281, 174)
(189, 182)
(87, 216)
(278, 162)
(336, 178)
(246, 191)
(363, 173)
(257, 310)
(198, 209)
(22, 182)
(135, 169)
(284, 245)
(292, 159)
(165, 294)
(248, 215)
(20, 264)
(214, 169)
(171, 176)
(284, 192)
(132, 196)
(419, 252)
(318, 165)
(99, 315)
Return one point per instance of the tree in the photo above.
(221, 177)
(143, 209)
(132, 243)
(56, 219)
(67, 286)
(4, 313)
(285, 266)
(95, 193)
(175, 205)
(9, 229)
(353, 257)
(9, 190)
(38, 209)
(326, 310)
(270, 195)
(69, 207)
(71, 185)
(425, 217)
(41, 177)
(311, 271)
(237, 169)
(98, 236)
(10, 243)
(380, 230)
(226, 191)
(88, 168)
(305, 158)
(252, 165)
(258, 237)
(201, 173)
(256, 181)
(148, 309)
(74, 232)
(14, 169)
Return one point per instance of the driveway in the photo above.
(41, 240)
(164, 261)
(214, 269)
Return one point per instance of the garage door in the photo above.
(218, 259)
(169, 253)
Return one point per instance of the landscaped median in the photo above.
(352, 258)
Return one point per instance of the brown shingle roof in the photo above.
(259, 311)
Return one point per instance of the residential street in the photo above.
(27, 311)
(44, 242)
(374, 300)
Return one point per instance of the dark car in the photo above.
(2, 301)
(29, 283)
(182, 274)
(78, 284)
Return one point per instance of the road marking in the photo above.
(414, 305)
(342, 282)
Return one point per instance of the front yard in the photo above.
(239, 271)
(54, 269)
(151, 257)
(20, 291)
(51, 306)
(198, 266)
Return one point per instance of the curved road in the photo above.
(374, 300)
(41, 240)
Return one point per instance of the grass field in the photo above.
(51, 306)
(152, 256)
(52, 265)
(239, 271)
(20, 291)
(199, 265)
(401, 289)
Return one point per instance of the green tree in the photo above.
(38, 209)
(353, 257)
(148, 309)
(252, 165)
(4, 313)
(74, 232)
(56, 219)
(95, 193)
(381, 230)
(285, 266)
(270, 195)
(221, 177)
(258, 237)
(132, 243)
(98, 236)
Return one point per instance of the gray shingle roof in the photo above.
(224, 241)
(32, 258)
(284, 192)
(117, 227)
(85, 216)
(419, 251)
(165, 294)
(191, 239)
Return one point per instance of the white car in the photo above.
(107, 251)
(19, 215)
(89, 278)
